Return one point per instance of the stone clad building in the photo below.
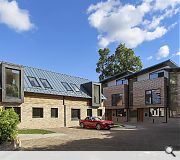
(45, 99)
(150, 95)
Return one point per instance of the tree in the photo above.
(123, 59)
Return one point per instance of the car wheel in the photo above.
(98, 127)
(82, 125)
(109, 128)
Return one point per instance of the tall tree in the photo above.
(122, 60)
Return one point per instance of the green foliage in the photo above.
(34, 131)
(8, 125)
(123, 59)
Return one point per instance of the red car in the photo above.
(96, 122)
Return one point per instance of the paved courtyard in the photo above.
(151, 137)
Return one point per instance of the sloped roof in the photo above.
(55, 80)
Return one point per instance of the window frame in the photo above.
(35, 80)
(124, 114)
(152, 97)
(158, 74)
(39, 109)
(90, 112)
(43, 79)
(75, 118)
(66, 87)
(76, 87)
(158, 108)
(124, 81)
(56, 114)
(112, 103)
(99, 115)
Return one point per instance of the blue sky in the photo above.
(64, 36)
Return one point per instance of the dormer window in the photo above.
(45, 83)
(34, 82)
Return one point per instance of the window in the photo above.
(54, 112)
(74, 86)
(37, 112)
(156, 112)
(34, 82)
(89, 112)
(155, 75)
(99, 112)
(117, 99)
(13, 83)
(67, 86)
(17, 110)
(75, 114)
(133, 113)
(45, 83)
(121, 81)
(174, 113)
(153, 97)
(120, 113)
(97, 97)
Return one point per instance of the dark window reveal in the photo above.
(75, 114)
(34, 82)
(120, 113)
(54, 112)
(99, 112)
(117, 99)
(89, 112)
(37, 112)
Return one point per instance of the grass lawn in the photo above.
(34, 131)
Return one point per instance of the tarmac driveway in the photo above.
(152, 137)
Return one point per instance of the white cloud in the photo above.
(128, 23)
(149, 58)
(163, 52)
(178, 53)
(163, 4)
(14, 17)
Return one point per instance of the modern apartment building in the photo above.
(150, 95)
(45, 99)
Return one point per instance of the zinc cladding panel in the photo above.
(55, 80)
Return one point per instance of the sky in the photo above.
(64, 36)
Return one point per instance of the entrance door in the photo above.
(109, 114)
(140, 115)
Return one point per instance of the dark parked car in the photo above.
(96, 122)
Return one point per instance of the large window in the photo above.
(54, 112)
(120, 112)
(99, 112)
(97, 94)
(117, 99)
(153, 97)
(67, 86)
(37, 112)
(34, 82)
(13, 83)
(121, 81)
(45, 83)
(89, 112)
(75, 114)
(155, 75)
(156, 112)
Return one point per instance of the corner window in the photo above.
(67, 86)
(117, 99)
(13, 83)
(74, 86)
(120, 113)
(156, 112)
(75, 114)
(45, 83)
(121, 81)
(34, 82)
(153, 97)
(99, 112)
(54, 112)
(89, 112)
(155, 75)
(37, 112)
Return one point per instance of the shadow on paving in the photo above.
(155, 138)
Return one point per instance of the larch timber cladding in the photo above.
(140, 87)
